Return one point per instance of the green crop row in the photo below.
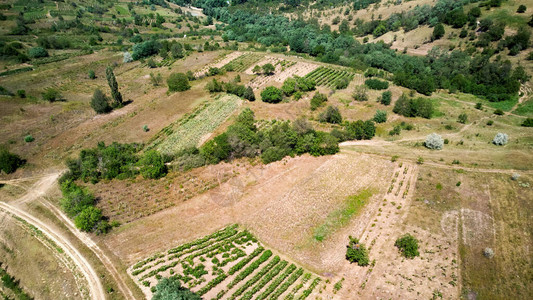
(287, 284)
(275, 271)
(266, 255)
(272, 287)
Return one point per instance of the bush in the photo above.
(317, 100)
(357, 253)
(152, 165)
(9, 162)
(380, 116)
(462, 118)
(29, 138)
(37, 52)
(331, 115)
(434, 142)
(100, 102)
(271, 94)
(500, 139)
(359, 94)
(408, 246)
(178, 82)
(376, 84)
(528, 122)
(171, 289)
(386, 98)
(91, 74)
(51, 95)
(88, 219)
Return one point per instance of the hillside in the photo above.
(266, 149)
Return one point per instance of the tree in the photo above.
(500, 139)
(386, 98)
(249, 94)
(113, 85)
(178, 82)
(438, 32)
(271, 94)
(317, 100)
(521, 9)
(380, 116)
(331, 115)
(434, 142)
(51, 95)
(9, 162)
(37, 52)
(356, 252)
(408, 246)
(88, 219)
(152, 165)
(100, 102)
(171, 289)
(268, 69)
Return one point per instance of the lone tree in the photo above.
(171, 289)
(434, 142)
(178, 82)
(112, 81)
(438, 32)
(100, 102)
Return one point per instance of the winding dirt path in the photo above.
(38, 191)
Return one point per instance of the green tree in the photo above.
(88, 219)
(171, 289)
(100, 102)
(9, 162)
(408, 246)
(268, 69)
(152, 165)
(178, 82)
(271, 94)
(113, 85)
(438, 32)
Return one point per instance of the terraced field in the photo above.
(193, 128)
(243, 62)
(324, 76)
(227, 264)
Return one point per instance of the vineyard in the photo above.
(324, 76)
(192, 129)
(227, 264)
(242, 62)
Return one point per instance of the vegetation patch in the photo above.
(340, 217)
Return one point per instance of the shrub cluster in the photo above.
(413, 107)
(357, 253)
(408, 246)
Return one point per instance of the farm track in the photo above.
(38, 191)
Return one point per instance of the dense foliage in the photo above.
(9, 162)
(408, 246)
(171, 289)
(356, 252)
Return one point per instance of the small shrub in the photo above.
(29, 138)
(499, 112)
(500, 139)
(380, 116)
(408, 246)
(434, 142)
(51, 95)
(488, 252)
(331, 115)
(91, 74)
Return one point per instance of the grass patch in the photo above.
(340, 217)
